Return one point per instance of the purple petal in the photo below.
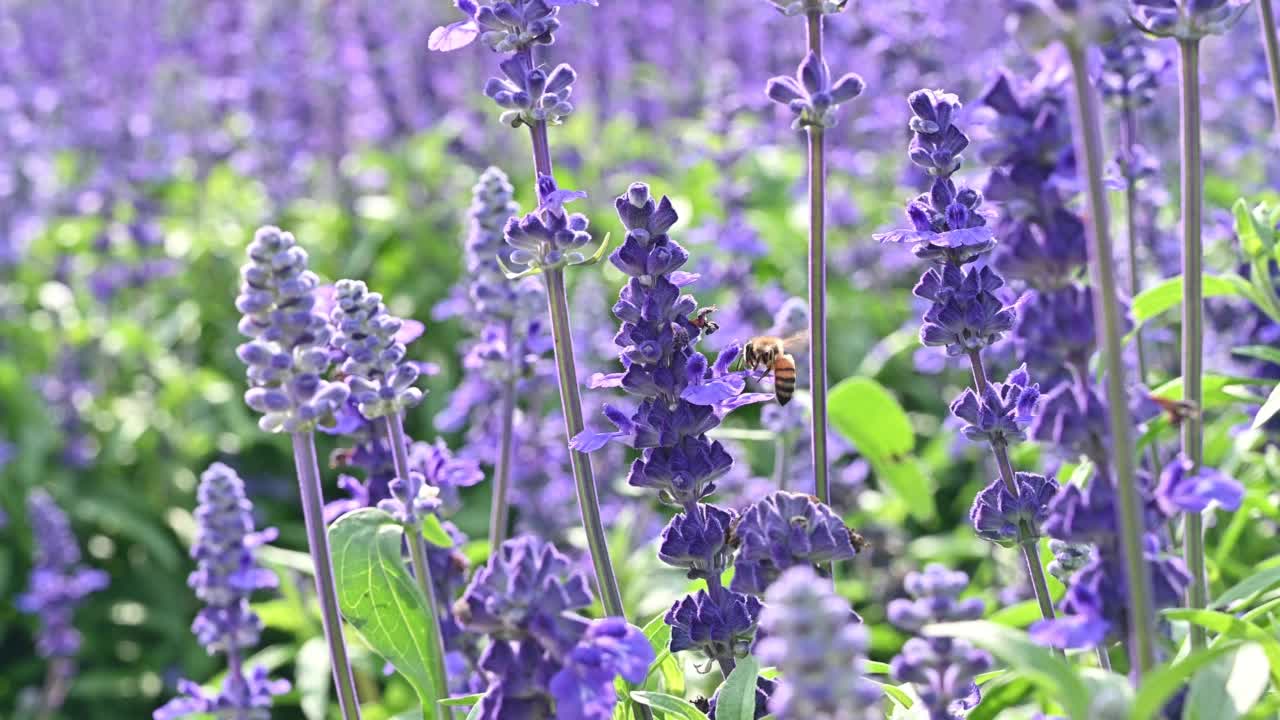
(605, 380)
(590, 440)
(453, 36)
(1070, 632)
(680, 278)
(714, 392)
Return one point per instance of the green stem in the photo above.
(499, 509)
(571, 406)
(818, 286)
(1192, 314)
(308, 467)
(1267, 20)
(418, 556)
(1028, 544)
(1108, 318)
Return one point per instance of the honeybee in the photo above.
(768, 353)
(1176, 410)
(702, 320)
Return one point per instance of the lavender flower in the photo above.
(782, 531)
(1188, 19)
(1003, 409)
(718, 627)
(58, 583)
(541, 655)
(504, 25)
(811, 95)
(226, 576)
(1006, 518)
(804, 7)
(942, 669)
(366, 334)
(815, 640)
(549, 237)
(287, 355)
(1184, 488)
(531, 95)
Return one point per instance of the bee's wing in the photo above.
(799, 341)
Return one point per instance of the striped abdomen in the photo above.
(784, 377)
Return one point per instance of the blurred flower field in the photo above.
(461, 277)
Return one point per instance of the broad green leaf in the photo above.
(1232, 626)
(1161, 683)
(665, 664)
(870, 417)
(434, 533)
(670, 705)
(381, 600)
(736, 699)
(1037, 664)
(462, 700)
(1268, 409)
(1167, 294)
(897, 694)
(1229, 687)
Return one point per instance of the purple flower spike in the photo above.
(530, 95)
(997, 515)
(966, 314)
(948, 225)
(815, 640)
(936, 143)
(583, 689)
(58, 581)
(365, 336)
(942, 669)
(226, 576)
(717, 627)
(783, 531)
(1003, 411)
(526, 581)
(549, 237)
(1181, 490)
(698, 540)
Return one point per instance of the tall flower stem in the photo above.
(1267, 20)
(1128, 143)
(818, 285)
(499, 509)
(1089, 147)
(781, 448)
(571, 406)
(418, 555)
(1030, 549)
(308, 467)
(1192, 313)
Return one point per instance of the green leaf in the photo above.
(869, 416)
(1229, 687)
(1268, 409)
(1039, 665)
(1167, 294)
(434, 533)
(897, 694)
(736, 699)
(665, 664)
(1260, 352)
(1215, 389)
(462, 700)
(311, 678)
(1232, 626)
(1247, 230)
(671, 705)
(1248, 588)
(1161, 683)
(381, 600)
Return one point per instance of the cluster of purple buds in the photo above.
(544, 660)
(550, 237)
(288, 353)
(1131, 69)
(783, 531)
(58, 581)
(811, 95)
(226, 576)
(1000, 409)
(365, 334)
(804, 7)
(504, 25)
(1187, 19)
(530, 95)
(942, 669)
(818, 644)
(1009, 519)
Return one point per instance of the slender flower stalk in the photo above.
(1267, 25)
(1192, 312)
(500, 507)
(534, 97)
(418, 550)
(813, 98)
(1107, 311)
(308, 469)
(818, 284)
(286, 358)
